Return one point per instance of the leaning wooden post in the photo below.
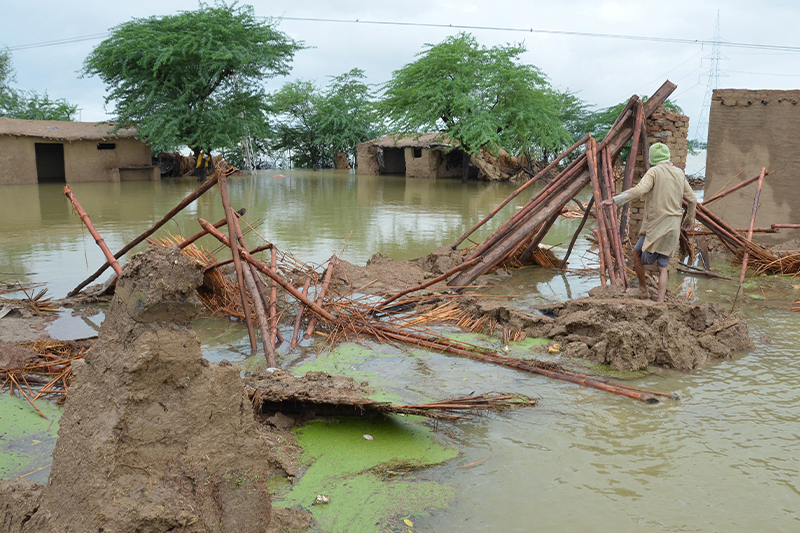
(600, 255)
(273, 300)
(300, 310)
(749, 235)
(88, 223)
(430, 282)
(321, 298)
(514, 194)
(264, 269)
(725, 193)
(577, 232)
(602, 232)
(186, 201)
(613, 228)
(218, 224)
(237, 262)
(630, 167)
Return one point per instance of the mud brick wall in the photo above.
(668, 127)
(750, 129)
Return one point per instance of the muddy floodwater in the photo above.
(723, 458)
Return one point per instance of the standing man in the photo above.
(663, 186)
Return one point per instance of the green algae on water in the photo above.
(26, 439)
(362, 477)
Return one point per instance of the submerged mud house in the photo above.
(41, 151)
(750, 129)
(429, 155)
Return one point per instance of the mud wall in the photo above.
(366, 162)
(668, 127)
(750, 129)
(83, 161)
(421, 162)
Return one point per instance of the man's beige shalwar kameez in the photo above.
(663, 186)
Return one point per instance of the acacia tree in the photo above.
(29, 105)
(192, 79)
(478, 96)
(315, 123)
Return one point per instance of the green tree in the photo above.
(30, 105)
(194, 78)
(478, 96)
(315, 123)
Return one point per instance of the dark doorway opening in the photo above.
(50, 163)
(394, 161)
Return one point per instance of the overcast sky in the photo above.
(602, 71)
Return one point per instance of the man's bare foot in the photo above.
(636, 292)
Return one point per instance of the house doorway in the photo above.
(50, 163)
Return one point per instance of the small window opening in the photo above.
(106, 146)
(417, 153)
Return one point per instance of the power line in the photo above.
(673, 40)
(763, 73)
(57, 42)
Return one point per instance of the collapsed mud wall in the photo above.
(153, 438)
(750, 129)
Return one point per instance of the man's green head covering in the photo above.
(659, 152)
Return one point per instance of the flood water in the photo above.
(724, 458)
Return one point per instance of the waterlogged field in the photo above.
(723, 458)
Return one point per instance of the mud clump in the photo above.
(153, 438)
(629, 334)
(382, 275)
(626, 333)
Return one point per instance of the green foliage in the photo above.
(193, 78)
(6, 69)
(478, 96)
(29, 105)
(315, 123)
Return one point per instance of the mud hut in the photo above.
(42, 151)
(428, 155)
(750, 129)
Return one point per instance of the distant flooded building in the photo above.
(46, 151)
(428, 155)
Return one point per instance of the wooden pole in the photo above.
(111, 260)
(218, 224)
(300, 310)
(527, 184)
(273, 299)
(749, 235)
(577, 232)
(613, 228)
(237, 262)
(723, 194)
(321, 297)
(229, 261)
(264, 269)
(185, 202)
(602, 232)
(630, 167)
(430, 282)
(600, 256)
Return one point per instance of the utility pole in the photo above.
(714, 74)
